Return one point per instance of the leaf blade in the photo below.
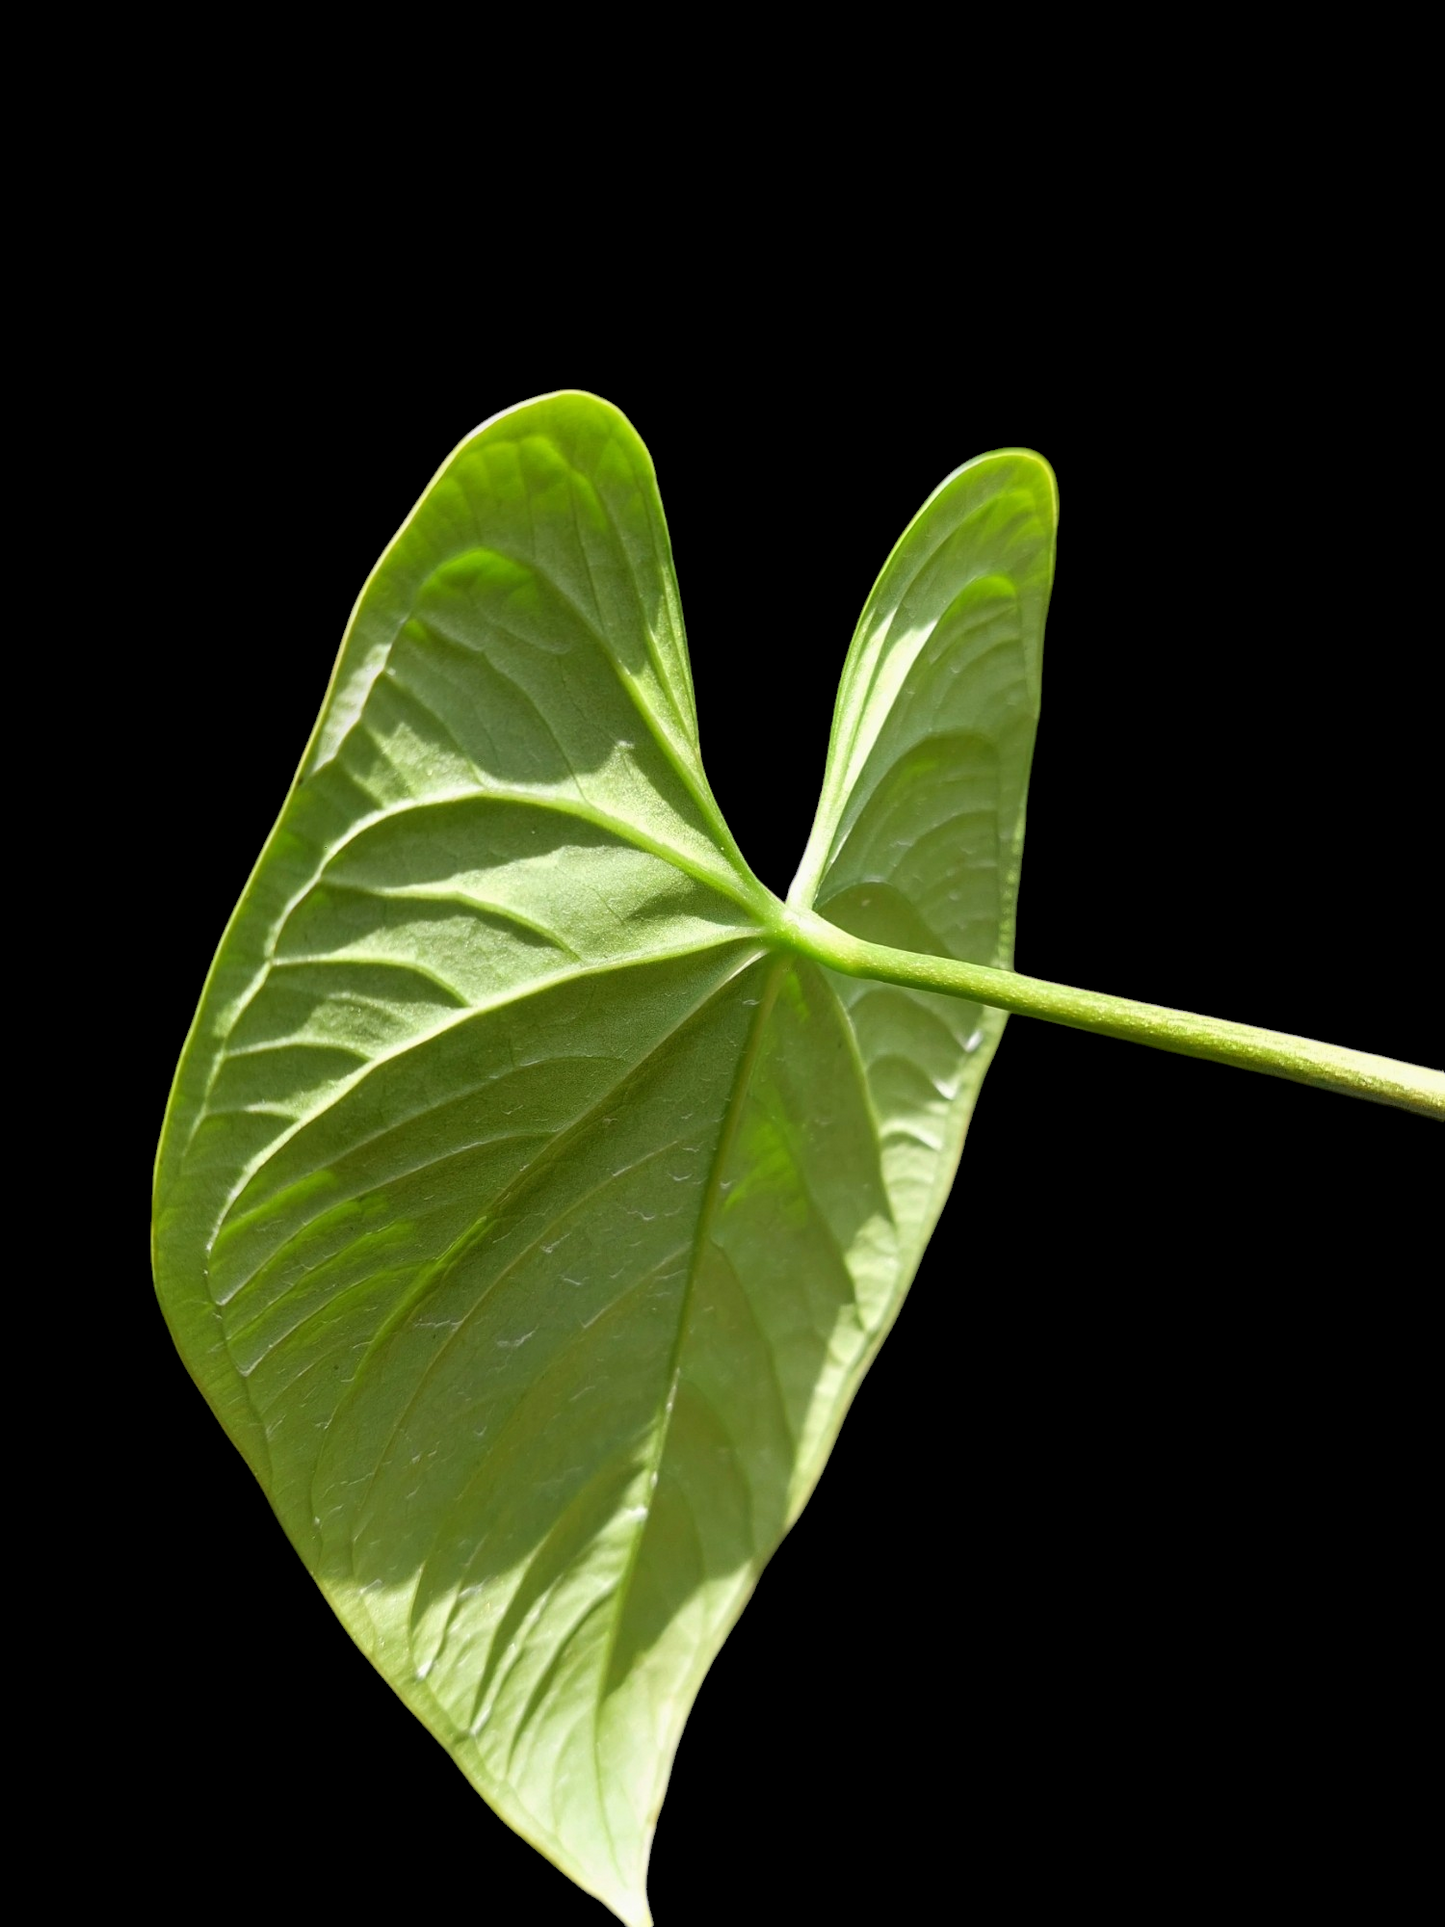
(527, 1224)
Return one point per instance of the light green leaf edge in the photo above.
(515, 674)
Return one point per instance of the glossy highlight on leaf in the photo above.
(528, 1206)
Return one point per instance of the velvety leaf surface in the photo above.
(526, 1210)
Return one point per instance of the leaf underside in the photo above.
(526, 1210)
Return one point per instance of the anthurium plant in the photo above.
(537, 1186)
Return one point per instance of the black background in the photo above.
(1113, 1588)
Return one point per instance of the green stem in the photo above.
(1275, 1053)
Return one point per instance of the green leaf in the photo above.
(527, 1208)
